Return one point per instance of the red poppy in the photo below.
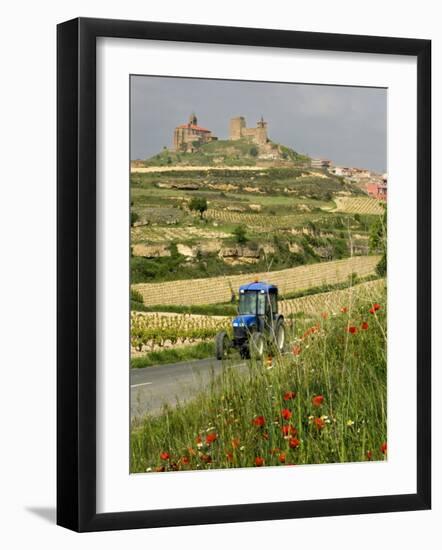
(344, 310)
(286, 414)
(374, 308)
(319, 423)
(364, 325)
(211, 437)
(369, 455)
(288, 430)
(289, 395)
(324, 315)
(294, 443)
(317, 400)
(229, 456)
(259, 421)
(259, 461)
(198, 439)
(352, 330)
(164, 455)
(206, 458)
(235, 443)
(281, 458)
(311, 330)
(384, 448)
(296, 350)
(185, 460)
(160, 469)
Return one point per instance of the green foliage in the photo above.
(198, 204)
(253, 151)
(240, 234)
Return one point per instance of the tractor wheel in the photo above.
(222, 345)
(280, 335)
(256, 345)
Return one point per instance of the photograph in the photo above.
(258, 264)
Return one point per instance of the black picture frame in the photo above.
(76, 273)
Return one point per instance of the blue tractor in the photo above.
(258, 325)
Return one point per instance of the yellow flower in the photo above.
(350, 422)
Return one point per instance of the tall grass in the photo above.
(323, 402)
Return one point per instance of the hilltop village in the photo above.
(194, 145)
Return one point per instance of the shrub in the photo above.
(240, 234)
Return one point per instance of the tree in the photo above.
(253, 151)
(199, 204)
(240, 234)
(378, 242)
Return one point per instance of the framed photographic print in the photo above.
(243, 274)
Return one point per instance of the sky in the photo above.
(347, 125)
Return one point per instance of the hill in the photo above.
(242, 152)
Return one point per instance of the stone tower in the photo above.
(238, 130)
(237, 125)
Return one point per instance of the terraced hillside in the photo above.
(218, 289)
(359, 205)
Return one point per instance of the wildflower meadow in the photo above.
(324, 400)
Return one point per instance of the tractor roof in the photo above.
(258, 286)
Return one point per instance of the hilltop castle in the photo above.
(239, 130)
(187, 137)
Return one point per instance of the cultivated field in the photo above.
(157, 234)
(333, 301)
(219, 289)
(161, 330)
(150, 331)
(360, 205)
(260, 222)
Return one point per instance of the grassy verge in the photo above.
(174, 355)
(325, 403)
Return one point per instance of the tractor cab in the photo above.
(258, 323)
(258, 304)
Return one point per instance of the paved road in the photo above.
(152, 387)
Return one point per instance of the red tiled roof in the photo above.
(193, 127)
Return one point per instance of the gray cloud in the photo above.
(345, 124)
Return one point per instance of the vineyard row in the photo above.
(219, 289)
